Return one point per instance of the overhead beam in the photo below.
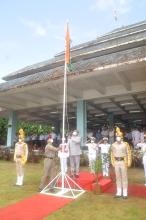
(95, 106)
(118, 105)
(139, 104)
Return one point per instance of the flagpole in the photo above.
(68, 187)
(63, 122)
(67, 54)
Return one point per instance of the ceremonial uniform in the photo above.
(143, 149)
(121, 159)
(20, 157)
(136, 137)
(49, 164)
(92, 154)
(104, 149)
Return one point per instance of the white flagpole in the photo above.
(63, 122)
(68, 185)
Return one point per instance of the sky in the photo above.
(32, 31)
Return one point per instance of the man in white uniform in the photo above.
(92, 153)
(136, 137)
(104, 149)
(143, 149)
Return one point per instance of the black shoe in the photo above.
(125, 197)
(117, 197)
(76, 175)
(52, 190)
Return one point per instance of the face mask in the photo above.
(50, 140)
(74, 133)
(118, 138)
(92, 141)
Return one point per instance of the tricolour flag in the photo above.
(67, 46)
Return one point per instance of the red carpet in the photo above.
(133, 190)
(35, 208)
(40, 206)
(86, 180)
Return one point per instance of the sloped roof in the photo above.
(84, 56)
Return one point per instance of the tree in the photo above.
(28, 127)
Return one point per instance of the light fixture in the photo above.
(134, 111)
(98, 115)
(127, 103)
(72, 117)
(54, 112)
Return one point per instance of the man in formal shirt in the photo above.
(142, 145)
(74, 144)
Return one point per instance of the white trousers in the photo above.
(63, 163)
(105, 164)
(144, 165)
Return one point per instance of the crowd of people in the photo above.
(110, 146)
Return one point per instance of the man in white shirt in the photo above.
(104, 149)
(143, 150)
(136, 137)
(92, 153)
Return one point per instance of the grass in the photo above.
(88, 206)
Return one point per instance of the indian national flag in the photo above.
(67, 46)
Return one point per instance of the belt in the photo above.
(119, 158)
(49, 157)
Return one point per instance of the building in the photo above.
(107, 82)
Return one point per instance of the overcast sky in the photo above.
(33, 30)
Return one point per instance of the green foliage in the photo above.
(29, 128)
(33, 128)
(3, 130)
(98, 165)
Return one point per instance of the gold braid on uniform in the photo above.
(112, 159)
(120, 134)
(22, 136)
(128, 160)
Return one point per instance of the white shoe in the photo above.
(18, 183)
(145, 184)
(119, 192)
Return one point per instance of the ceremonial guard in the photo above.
(49, 163)
(121, 159)
(142, 145)
(20, 157)
(92, 153)
(104, 150)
